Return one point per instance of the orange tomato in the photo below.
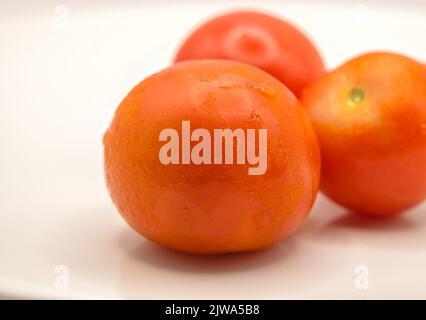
(370, 118)
(269, 43)
(211, 208)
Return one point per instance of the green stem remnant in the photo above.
(355, 97)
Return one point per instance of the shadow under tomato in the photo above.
(151, 271)
(150, 253)
(354, 220)
(349, 229)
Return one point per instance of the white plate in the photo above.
(63, 71)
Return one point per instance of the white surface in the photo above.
(63, 71)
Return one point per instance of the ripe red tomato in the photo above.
(212, 207)
(370, 119)
(264, 41)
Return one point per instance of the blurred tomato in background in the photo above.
(267, 42)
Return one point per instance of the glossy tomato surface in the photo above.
(370, 119)
(211, 208)
(267, 42)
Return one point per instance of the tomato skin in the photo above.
(259, 39)
(370, 119)
(209, 209)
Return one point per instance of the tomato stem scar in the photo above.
(355, 97)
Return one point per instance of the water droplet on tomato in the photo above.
(266, 91)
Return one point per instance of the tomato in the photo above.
(269, 43)
(163, 190)
(370, 119)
